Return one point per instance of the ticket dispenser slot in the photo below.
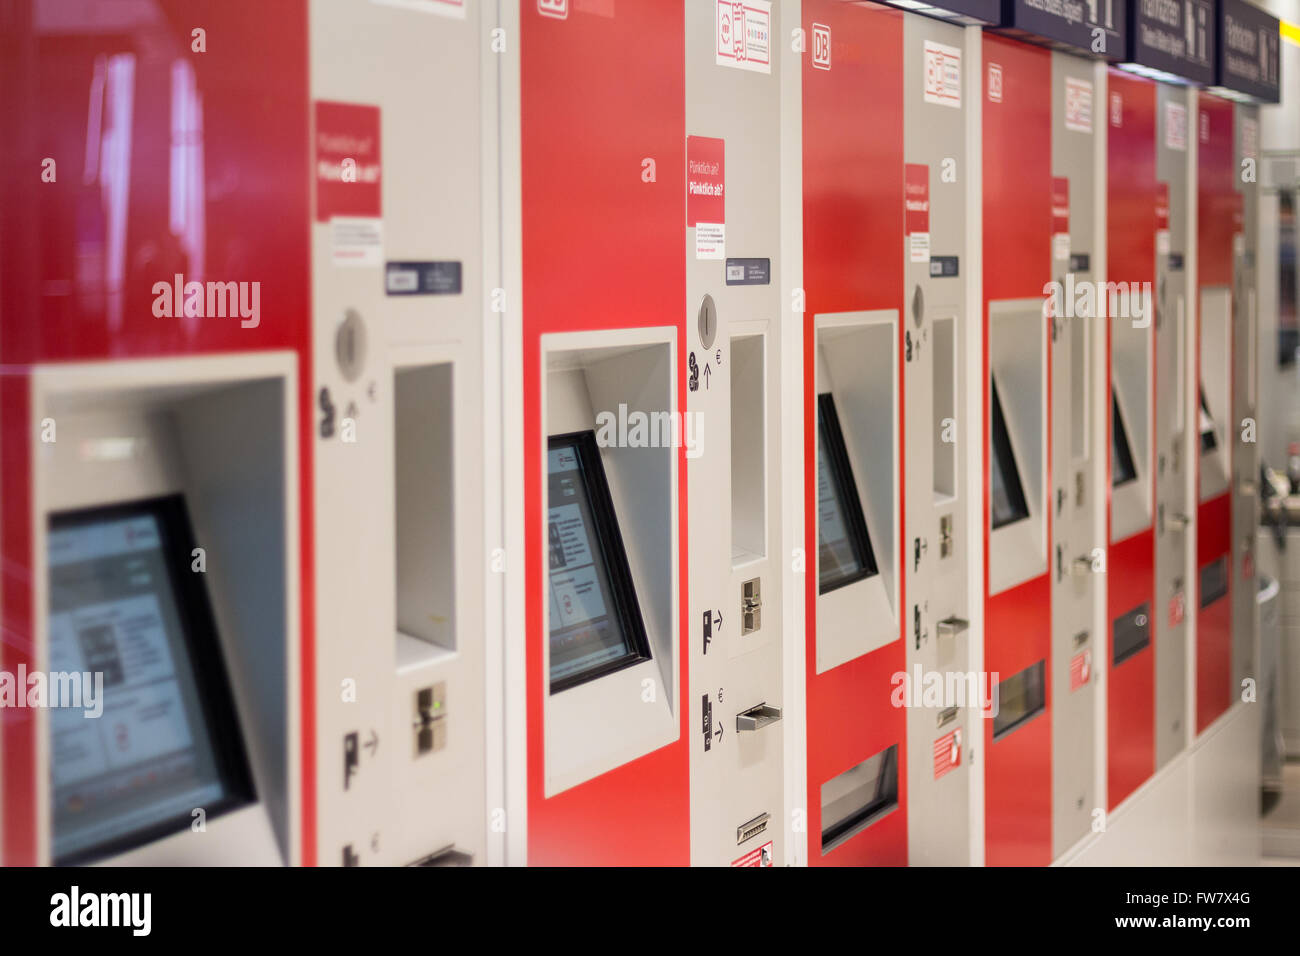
(167, 505)
(610, 580)
(857, 485)
(1017, 443)
(1213, 397)
(859, 797)
(1131, 420)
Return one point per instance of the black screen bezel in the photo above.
(1209, 438)
(211, 679)
(609, 544)
(855, 524)
(1001, 454)
(1121, 449)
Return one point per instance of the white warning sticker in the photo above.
(942, 74)
(710, 240)
(1078, 105)
(1249, 139)
(356, 241)
(1176, 127)
(744, 34)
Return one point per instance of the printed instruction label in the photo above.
(942, 74)
(356, 241)
(710, 240)
(1176, 127)
(744, 34)
(995, 83)
(1078, 105)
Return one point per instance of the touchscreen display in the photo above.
(164, 740)
(844, 553)
(595, 626)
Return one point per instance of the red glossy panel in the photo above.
(853, 260)
(90, 246)
(1017, 265)
(1214, 623)
(1130, 696)
(601, 250)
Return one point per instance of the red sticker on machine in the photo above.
(348, 170)
(1162, 206)
(1177, 609)
(1080, 668)
(1060, 218)
(947, 753)
(916, 211)
(705, 180)
(760, 857)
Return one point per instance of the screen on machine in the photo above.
(595, 620)
(129, 615)
(844, 553)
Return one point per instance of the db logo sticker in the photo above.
(559, 9)
(821, 46)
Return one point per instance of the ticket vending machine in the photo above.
(735, 70)
(1173, 45)
(857, 775)
(1017, 115)
(1131, 265)
(1175, 447)
(1217, 213)
(598, 745)
(1077, 497)
(939, 92)
(403, 253)
(157, 470)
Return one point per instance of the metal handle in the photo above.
(1082, 565)
(1247, 488)
(952, 626)
(757, 717)
(1179, 520)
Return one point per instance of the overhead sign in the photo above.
(1091, 27)
(1247, 57)
(1174, 36)
(967, 12)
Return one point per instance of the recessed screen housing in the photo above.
(125, 603)
(595, 620)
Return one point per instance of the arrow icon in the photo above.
(718, 733)
(718, 616)
(373, 743)
(706, 375)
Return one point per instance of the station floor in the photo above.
(1280, 820)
